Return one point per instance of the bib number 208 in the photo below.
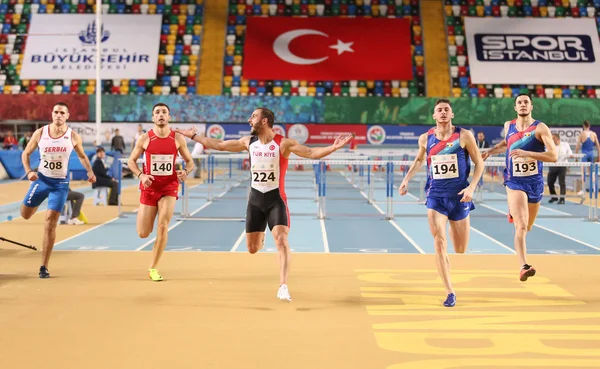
(262, 177)
(52, 165)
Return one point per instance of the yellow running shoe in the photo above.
(153, 274)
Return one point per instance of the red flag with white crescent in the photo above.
(331, 48)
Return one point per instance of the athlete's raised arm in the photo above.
(214, 144)
(290, 145)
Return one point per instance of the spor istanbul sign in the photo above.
(561, 51)
(63, 46)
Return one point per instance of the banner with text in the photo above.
(325, 133)
(409, 135)
(63, 46)
(549, 51)
(467, 111)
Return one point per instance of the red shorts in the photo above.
(150, 198)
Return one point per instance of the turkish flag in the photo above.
(327, 49)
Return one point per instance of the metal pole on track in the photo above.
(98, 67)
(596, 193)
(120, 182)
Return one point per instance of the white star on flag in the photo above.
(342, 47)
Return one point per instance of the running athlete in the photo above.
(529, 144)
(267, 203)
(159, 179)
(448, 150)
(55, 141)
(587, 141)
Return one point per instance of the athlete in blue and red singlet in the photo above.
(588, 140)
(448, 150)
(267, 203)
(159, 180)
(528, 143)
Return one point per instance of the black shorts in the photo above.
(266, 208)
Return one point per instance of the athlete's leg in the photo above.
(519, 207)
(57, 197)
(437, 226)
(37, 193)
(27, 211)
(533, 210)
(280, 234)
(49, 235)
(255, 241)
(460, 230)
(166, 207)
(256, 223)
(145, 220)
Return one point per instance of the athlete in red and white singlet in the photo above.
(160, 158)
(159, 179)
(267, 204)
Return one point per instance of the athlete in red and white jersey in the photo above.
(267, 204)
(55, 141)
(159, 180)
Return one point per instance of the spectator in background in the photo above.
(10, 141)
(140, 131)
(102, 177)
(76, 199)
(117, 143)
(23, 141)
(481, 141)
(564, 152)
(353, 142)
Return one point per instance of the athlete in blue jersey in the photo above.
(448, 151)
(587, 141)
(528, 143)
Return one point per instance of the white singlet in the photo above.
(267, 167)
(55, 153)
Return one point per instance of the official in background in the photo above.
(564, 152)
(481, 141)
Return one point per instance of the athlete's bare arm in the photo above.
(135, 155)
(499, 148)
(29, 149)
(214, 144)
(595, 138)
(550, 155)
(292, 146)
(78, 147)
(416, 165)
(419, 159)
(471, 145)
(186, 155)
(579, 142)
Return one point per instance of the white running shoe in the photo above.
(283, 294)
(74, 221)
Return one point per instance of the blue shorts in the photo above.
(588, 156)
(534, 190)
(55, 189)
(450, 207)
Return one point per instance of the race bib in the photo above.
(524, 167)
(161, 165)
(54, 163)
(444, 166)
(265, 174)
